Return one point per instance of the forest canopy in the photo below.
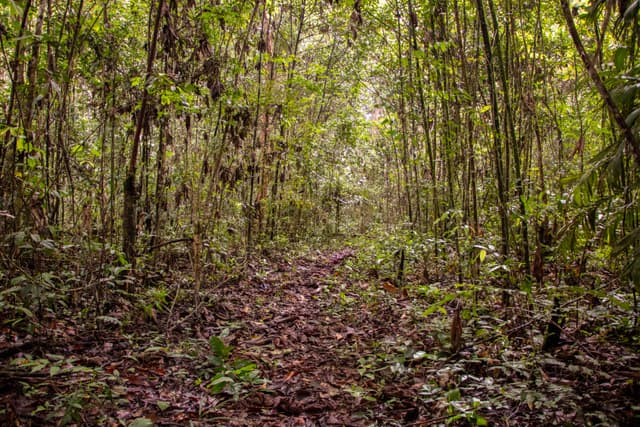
(133, 123)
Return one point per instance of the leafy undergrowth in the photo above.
(313, 341)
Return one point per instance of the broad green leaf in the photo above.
(481, 421)
(219, 348)
(22, 310)
(438, 305)
(39, 365)
(222, 380)
(620, 57)
(141, 422)
(454, 395)
(218, 384)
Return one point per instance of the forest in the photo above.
(319, 212)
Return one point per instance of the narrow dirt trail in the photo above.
(321, 349)
(323, 346)
(302, 330)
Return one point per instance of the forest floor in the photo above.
(311, 342)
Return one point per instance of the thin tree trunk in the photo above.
(8, 190)
(403, 120)
(130, 192)
(512, 140)
(253, 161)
(497, 138)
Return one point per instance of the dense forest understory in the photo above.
(319, 212)
(303, 340)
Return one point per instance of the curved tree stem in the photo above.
(627, 132)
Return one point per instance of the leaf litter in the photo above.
(306, 342)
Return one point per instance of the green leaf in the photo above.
(218, 384)
(22, 310)
(437, 305)
(620, 57)
(219, 348)
(222, 380)
(482, 255)
(136, 81)
(162, 405)
(77, 149)
(246, 372)
(39, 365)
(454, 395)
(481, 421)
(626, 242)
(141, 422)
(12, 290)
(526, 286)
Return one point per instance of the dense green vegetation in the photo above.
(474, 156)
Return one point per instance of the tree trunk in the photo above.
(8, 190)
(497, 134)
(141, 122)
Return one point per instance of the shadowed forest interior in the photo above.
(319, 212)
